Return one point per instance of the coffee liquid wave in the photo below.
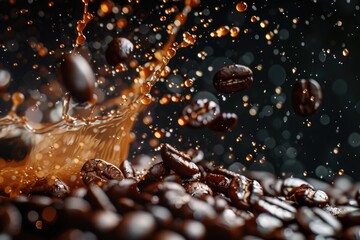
(59, 150)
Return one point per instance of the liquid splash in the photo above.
(59, 150)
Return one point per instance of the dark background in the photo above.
(311, 48)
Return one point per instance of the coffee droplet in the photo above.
(306, 97)
(78, 77)
(241, 6)
(118, 51)
(233, 78)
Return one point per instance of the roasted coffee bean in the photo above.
(118, 50)
(77, 234)
(224, 122)
(98, 171)
(182, 204)
(192, 230)
(201, 112)
(218, 182)
(10, 220)
(156, 173)
(136, 225)
(265, 225)
(225, 226)
(161, 214)
(168, 235)
(198, 189)
(98, 199)
(351, 217)
(173, 177)
(162, 187)
(242, 191)
(225, 172)
(104, 221)
(127, 169)
(51, 187)
(291, 185)
(306, 97)
(276, 207)
(317, 221)
(126, 205)
(309, 197)
(15, 143)
(77, 77)
(125, 188)
(178, 161)
(233, 78)
(352, 233)
(194, 178)
(196, 155)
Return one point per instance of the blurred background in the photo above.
(281, 41)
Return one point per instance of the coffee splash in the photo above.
(59, 150)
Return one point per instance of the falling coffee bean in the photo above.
(15, 143)
(233, 78)
(306, 97)
(118, 50)
(78, 77)
(201, 112)
(224, 122)
(98, 171)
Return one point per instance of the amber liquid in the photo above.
(60, 149)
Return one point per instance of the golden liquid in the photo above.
(59, 150)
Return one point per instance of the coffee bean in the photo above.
(198, 189)
(98, 199)
(319, 222)
(225, 172)
(224, 122)
(350, 217)
(242, 191)
(218, 182)
(192, 230)
(10, 220)
(291, 185)
(118, 50)
(306, 97)
(15, 143)
(136, 225)
(125, 205)
(196, 155)
(178, 161)
(156, 173)
(77, 77)
(352, 233)
(168, 235)
(125, 188)
(309, 197)
(233, 78)
(104, 221)
(276, 207)
(201, 113)
(225, 226)
(162, 187)
(51, 187)
(127, 169)
(72, 234)
(265, 225)
(98, 171)
(161, 214)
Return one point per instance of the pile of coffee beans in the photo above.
(180, 195)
